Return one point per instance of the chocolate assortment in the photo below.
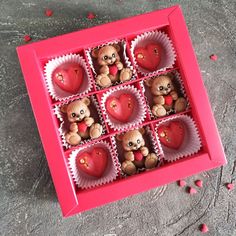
(113, 106)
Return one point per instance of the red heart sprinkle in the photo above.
(91, 15)
(168, 100)
(27, 38)
(82, 127)
(192, 190)
(181, 183)
(213, 57)
(113, 70)
(48, 12)
(172, 135)
(199, 183)
(204, 228)
(230, 186)
(138, 156)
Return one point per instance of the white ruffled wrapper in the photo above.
(168, 55)
(84, 180)
(191, 143)
(139, 111)
(63, 130)
(181, 91)
(126, 62)
(56, 92)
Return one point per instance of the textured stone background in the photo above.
(28, 204)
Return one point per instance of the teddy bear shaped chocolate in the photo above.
(165, 96)
(135, 152)
(82, 125)
(111, 68)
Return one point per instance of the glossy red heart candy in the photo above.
(148, 57)
(121, 108)
(172, 135)
(68, 77)
(93, 163)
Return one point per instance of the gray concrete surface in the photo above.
(28, 204)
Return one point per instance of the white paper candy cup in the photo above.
(56, 92)
(167, 57)
(125, 61)
(63, 129)
(191, 143)
(84, 180)
(138, 114)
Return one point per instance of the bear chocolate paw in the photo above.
(103, 81)
(158, 110)
(128, 168)
(95, 131)
(151, 161)
(125, 74)
(73, 138)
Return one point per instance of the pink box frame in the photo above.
(73, 201)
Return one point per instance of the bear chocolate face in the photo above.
(77, 110)
(107, 55)
(132, 140)
(162, 85)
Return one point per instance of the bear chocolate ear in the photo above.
(95, 52)
(64, 108)
(119, 137)
(170, 75)
(141, 130)
(148, 82)
(117, 47)
(86, 101)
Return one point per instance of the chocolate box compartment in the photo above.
(124, 59)
(211, 156)
(50, 64)
(150, 143)
(178, 86)
(64, 127)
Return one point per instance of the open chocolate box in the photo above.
(122, 99)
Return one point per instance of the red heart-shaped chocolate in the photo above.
(68, 77)
(93, 163)
(172, 135)
(120, 108)
(148, 57)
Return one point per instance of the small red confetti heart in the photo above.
(213, 57)
(230, 186)
(91, 15)
(204, 228)
(192, 190)
(199, 183)
(181, 183)
(27, 38)
(48, 12)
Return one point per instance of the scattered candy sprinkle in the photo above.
(27, 38)
(192, 190)
(181, 183)
(213, 57)
(199, 183)
(48, 12)
(230, 186)
(91, 15)
(204, 228)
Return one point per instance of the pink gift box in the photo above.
(33, 58)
